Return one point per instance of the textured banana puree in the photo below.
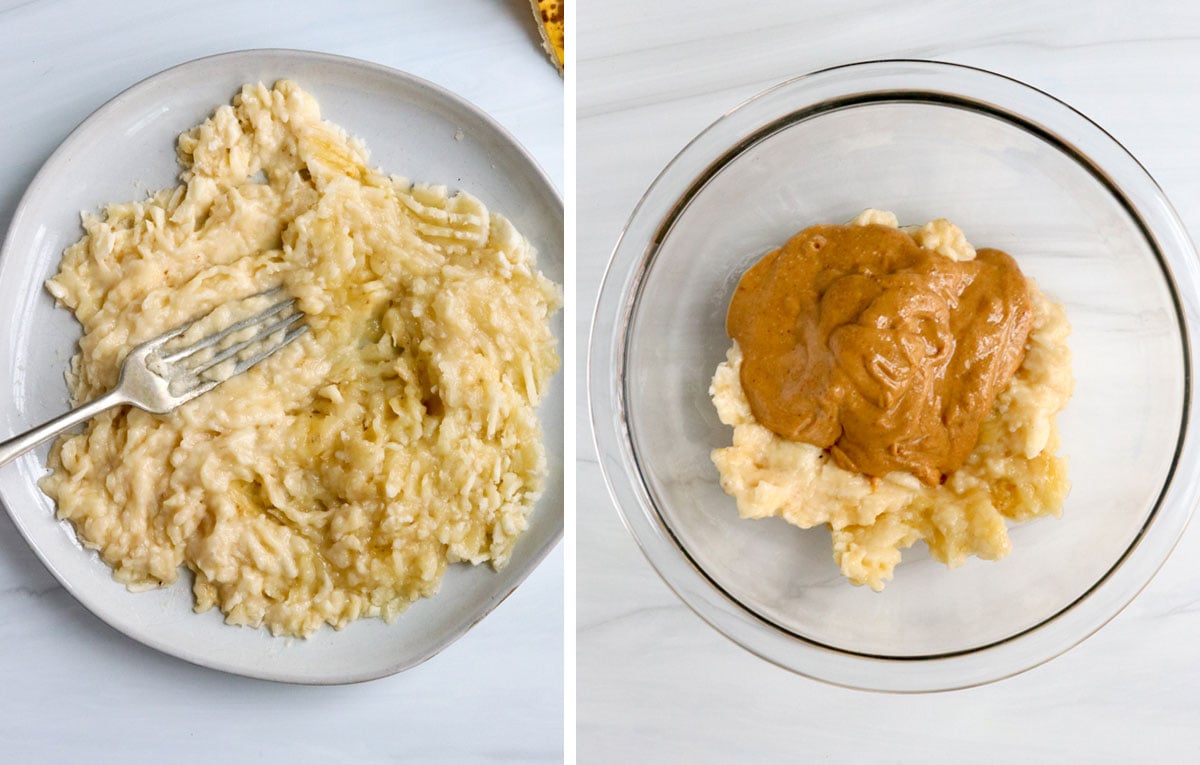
(1013, 473)
(338, 478)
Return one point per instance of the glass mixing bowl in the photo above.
(1017, 170)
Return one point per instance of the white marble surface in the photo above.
(656, 684)
(74, 690)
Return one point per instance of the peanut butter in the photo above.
(859, 341)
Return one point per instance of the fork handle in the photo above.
(18, 445)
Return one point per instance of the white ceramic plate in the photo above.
(126, 149)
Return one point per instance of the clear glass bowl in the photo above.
(1016, 169)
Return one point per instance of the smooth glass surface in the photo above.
(1016, 170)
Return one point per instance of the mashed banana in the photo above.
(1012, 473)
(336, 479)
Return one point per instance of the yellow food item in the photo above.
(1012, 474)
(858, 340)
(338, 478)
(551, 26)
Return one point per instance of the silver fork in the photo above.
(158, 377)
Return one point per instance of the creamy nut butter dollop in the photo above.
(858, 340)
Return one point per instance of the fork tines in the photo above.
(272, 328)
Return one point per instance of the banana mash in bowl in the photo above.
(976, 406)
(898, 393)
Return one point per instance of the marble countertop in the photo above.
(656, 684)
(73, 689)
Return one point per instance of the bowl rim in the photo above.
(806, 97)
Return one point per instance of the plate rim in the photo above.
(45, 174)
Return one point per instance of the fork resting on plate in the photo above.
(159, 375)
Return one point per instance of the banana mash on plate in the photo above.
(340, 477)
